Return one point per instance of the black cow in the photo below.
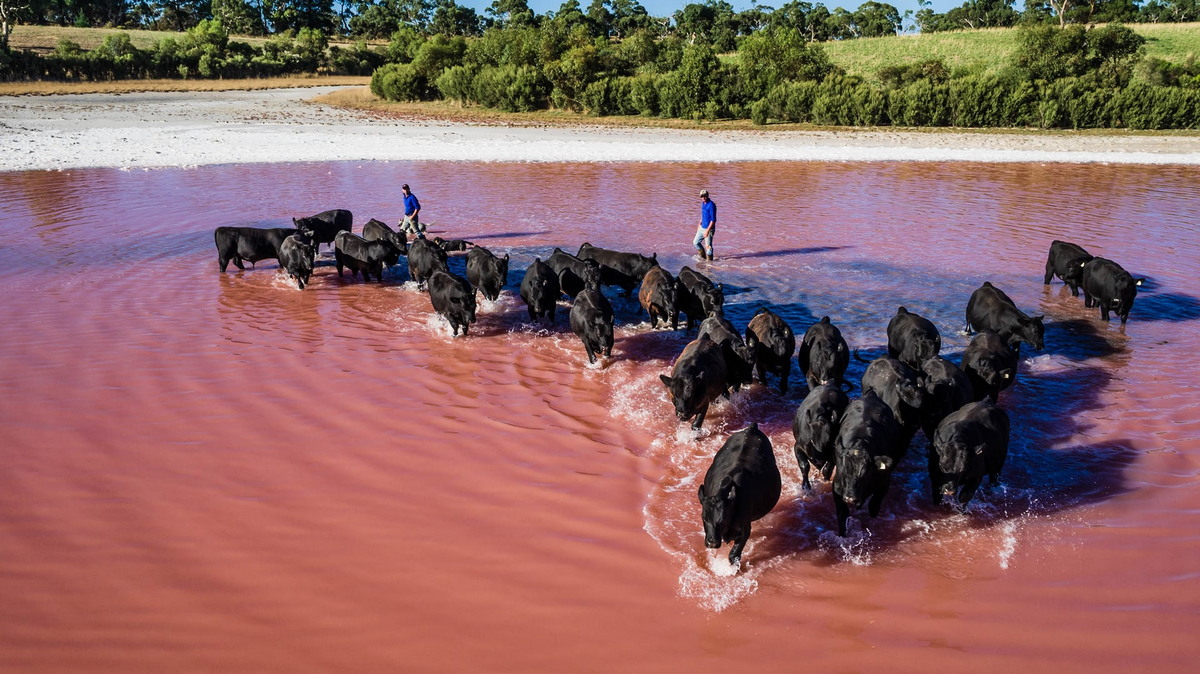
(967, 445)
(619, 269)
(658, 297)
(375, 230)
(815, 428)
(947, 388)
(866, 451)
(901, 388)
(912, 339)
(739, 358)
(326, 225)
(487, 272)
(1108, 286)
(991, 309)
(539, 290)
(824, 354)
(453, 298)
(742, 485)
(296, 256)
(571, 271)
(249, 244)
(697, 379)
(990, 365)
(452, 245)
(773, 343)
(359, 255)
(591, 319)
(1066, 261)
(424, 258)
(697, 296)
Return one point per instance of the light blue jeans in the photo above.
(706, 239)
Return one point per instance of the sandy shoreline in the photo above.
(169, 129)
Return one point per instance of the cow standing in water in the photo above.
(742, 485)
(1108, 286)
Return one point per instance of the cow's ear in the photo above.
(506, 257)
(841, 347)
(654, 256)
(1038, 318)
(979, 450)
(1139, 281)
(295, 222)
(1007, 374)
(721, 287)
(884, 462)
(666, 380)
(728, 489)
(700, 491)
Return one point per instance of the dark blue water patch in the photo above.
(1078, 340)
(784, 252)
(1167, 307)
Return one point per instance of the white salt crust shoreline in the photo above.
(169, 129)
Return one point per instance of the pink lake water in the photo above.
(218, 472)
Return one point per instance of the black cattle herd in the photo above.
(856, 444)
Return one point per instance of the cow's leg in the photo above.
(1049, 271)
(843, 513)
(783, 378)
(876, 500)
(700, 417)
(739, 543)
(802, 460)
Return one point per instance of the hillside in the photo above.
(987, 49)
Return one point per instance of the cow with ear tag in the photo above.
(969, 443)
(990, 365)
(866, 451)
(1108, 286)
(742, 485)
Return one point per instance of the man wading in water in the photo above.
(412, 213)
(708, 226)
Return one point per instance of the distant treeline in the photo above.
(1073, 77)
(705, 62)
(712, 22)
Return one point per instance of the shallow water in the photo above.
(207, 471)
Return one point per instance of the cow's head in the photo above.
(856, 471)
(686, 394)
(1032, 331)
(591, 274)
(717, 511)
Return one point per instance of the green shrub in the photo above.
(457, 83)
(399, 82)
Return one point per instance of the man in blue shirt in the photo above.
(708, 226)
(412, 212)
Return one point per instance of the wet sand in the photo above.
(160, 129)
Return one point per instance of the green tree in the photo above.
(238, 17)
(876, 19)
(450, 18)
(778, 55)
(713, 23)
(283, 15)
(514, 13)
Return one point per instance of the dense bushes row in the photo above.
(981, 102)
(204, 51)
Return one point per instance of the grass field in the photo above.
(988, 49)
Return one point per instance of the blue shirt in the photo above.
(708, 213)
(411, 205)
